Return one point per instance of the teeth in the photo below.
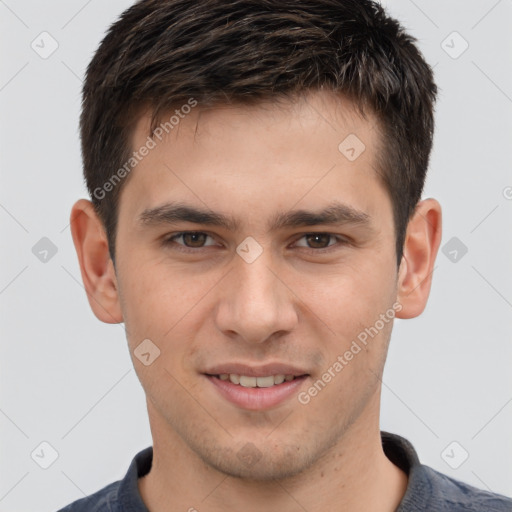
(265, 382)
(253, 382)
(247, 382)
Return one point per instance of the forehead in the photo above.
(310, 113)
(303, 150)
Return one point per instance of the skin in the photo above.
(294, 304)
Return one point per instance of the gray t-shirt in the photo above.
(427, 489)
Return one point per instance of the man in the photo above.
(256, 171)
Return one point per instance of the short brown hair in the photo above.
(161, 53)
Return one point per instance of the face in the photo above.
(293, 261)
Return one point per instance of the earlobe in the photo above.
(420, 250)
(96, 267)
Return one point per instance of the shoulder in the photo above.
(121, 495)
(455, 496)
(430, 490)
(103, 500)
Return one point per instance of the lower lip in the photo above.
(256, 398)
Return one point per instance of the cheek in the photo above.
(159, 301)
(348, 299)
(350, 304)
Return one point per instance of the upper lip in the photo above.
(255, 370)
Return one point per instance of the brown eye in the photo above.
(189, 240)
(321, 242)
(318, 240)
(194, 239)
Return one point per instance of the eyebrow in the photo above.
(175, 212)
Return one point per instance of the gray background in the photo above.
(67, 379)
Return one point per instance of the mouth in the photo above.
(256, 392)
(249, 381)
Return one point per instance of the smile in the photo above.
(252, 382)
(256, 392)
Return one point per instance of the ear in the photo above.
(97, 269)
(422, 242)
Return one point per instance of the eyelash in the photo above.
(170, 241)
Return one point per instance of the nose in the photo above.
(255, 303)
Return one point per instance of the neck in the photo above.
(354, 475)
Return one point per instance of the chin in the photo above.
(256, 464)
